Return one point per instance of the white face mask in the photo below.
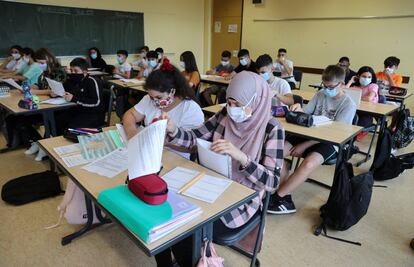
(26, 59)
(182, 64)
(238, 114)
(390, 70)
(225, 63)
(364, 81)
(16, 56)
(43, 66)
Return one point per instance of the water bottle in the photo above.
(26, 91)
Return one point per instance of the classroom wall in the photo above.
(321, 42)
(175, 25)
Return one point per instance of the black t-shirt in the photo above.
(251, 67)
(349, 75)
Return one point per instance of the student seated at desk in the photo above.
(86, 92)
(223, 69)
(152, 64)
(95, 59)
(168, 91)
(366, 81)
(331, 102)
(285, 67)
(14, 63)
(344, 63)
(246, 131)
(190, 72)
(143, 60)
(388, 77)
(245, 63)
(160, 53)
(51, 69)
(30, 72)
(280, 88)
(122, 68)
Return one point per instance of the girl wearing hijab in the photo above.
(246, 131)
(95, 59)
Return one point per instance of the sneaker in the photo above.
(34, 148)
(40, 155)
(282, 205)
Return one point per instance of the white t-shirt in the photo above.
(280, 68)
(187, 114)
(124, 67)
(281, 87)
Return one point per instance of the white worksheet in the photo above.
(178, 177)
(110, 165)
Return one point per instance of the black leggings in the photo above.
(183, 252)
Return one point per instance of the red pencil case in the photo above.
(151, 189)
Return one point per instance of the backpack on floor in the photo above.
(387, 166)
(348, 201)
(31, 187)
(404, 131)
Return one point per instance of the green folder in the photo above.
(135, 214)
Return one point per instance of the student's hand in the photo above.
(223, 146)
(170, 124)
(295, 107)
(298, 150)
(68, 96)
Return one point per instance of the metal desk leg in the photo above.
(197, 240)
(52, 123)
(46, 123)
(89, 224)
(380, 135)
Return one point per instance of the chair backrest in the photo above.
(298, 99)
(108, 98)
(298, 77)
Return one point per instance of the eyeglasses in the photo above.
(330, 87)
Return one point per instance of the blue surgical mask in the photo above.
(330, 92)
(94, 55)
(152, 63)
(364, 81)
(265, 76)
(120, 60)
(243, 62)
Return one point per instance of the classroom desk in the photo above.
(130, 86)
(92, 184)
(97, 73)
(399, 99)
(214, 79)
(47, 110)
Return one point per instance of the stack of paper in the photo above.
(321, 120)
(145, 150)
(98, 145)
(212, 160)
(71, 155)
(206, 188)
(110, 165)
(134, 81)
(149, 222)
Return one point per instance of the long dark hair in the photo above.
(45, 54)
(168, 77)
(366, 69)
(189, 61)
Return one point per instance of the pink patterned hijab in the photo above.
(249, 135)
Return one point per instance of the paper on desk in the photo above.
(208, 188)
(68, 149)
(55, 101)
(57, 87)
(134, 81)
(122, 132)
(74, 160)
(12, 83)
(110, 165)
(320, 120)
(217, 162)
(178, 177)
(145, 150)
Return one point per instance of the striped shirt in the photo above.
(261, 176)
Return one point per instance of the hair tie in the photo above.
(166, 66)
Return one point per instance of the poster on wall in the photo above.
(232, 28)
(217, 26)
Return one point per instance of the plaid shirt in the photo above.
(260, 176)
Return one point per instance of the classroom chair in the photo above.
(236, 235)
(298, 77)
(108, 98)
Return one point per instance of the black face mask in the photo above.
(76, 77)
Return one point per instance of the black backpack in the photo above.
(387, 166)
(348, 201)
(404, 131)
(31, 187)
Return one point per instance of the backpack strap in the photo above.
(321, 229)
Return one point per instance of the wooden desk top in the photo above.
(132, 86)
(335, 132)
(214, 79)
(364, 106)
(94, 184)
(10, 103)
